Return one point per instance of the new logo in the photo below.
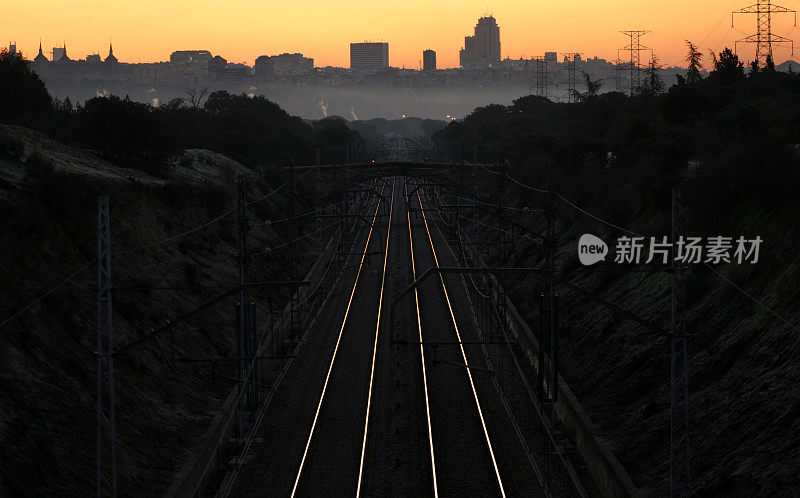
(591, 249)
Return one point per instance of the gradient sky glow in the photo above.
(240, 31)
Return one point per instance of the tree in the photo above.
(695, 60)
(331, 136)
(769, 65)
(23, 96)
(653, 85)
(122, 129)
(195, 98)
(592, 88)
(754, 68)
(727, 68)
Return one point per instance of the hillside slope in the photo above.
(48, 218)
(745, 359)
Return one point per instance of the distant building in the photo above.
(551, 57)
(60, 54)
(190, 57)
(482, 50)
(41, 58)
(12, 48)
(369, 56)
(217, 67)
(268, 67)
(111, 59)
(577, 58)
(429, 60)
(94, 59)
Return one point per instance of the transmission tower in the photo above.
(618, 73)
(572, 70)
(764, 37)
(635, 48)
(541, 76)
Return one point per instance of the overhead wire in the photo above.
(135, 249)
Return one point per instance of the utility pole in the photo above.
(502, 238)
(105, 351)
(680, 474)
(764, 38)
(635, 48)
(318, 207)
(243, 306)
(475, 199)
(572, 70)
(552, 324)
(294, 257)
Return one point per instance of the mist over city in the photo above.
(371, 87)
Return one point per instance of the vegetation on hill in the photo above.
(730, 141)
(728, 138)
(250, 129)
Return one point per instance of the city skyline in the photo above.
(87, 26)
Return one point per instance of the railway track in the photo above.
(416, 414)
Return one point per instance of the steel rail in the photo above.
(422, 353)
(335, 350)
(375, 345)
(463, 352)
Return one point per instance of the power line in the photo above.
(526, 186)
(53, 289)
(723, 277)
(128, 251)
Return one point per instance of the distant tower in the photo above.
(429, 60)
(12, 48)
(482, 50)
(764, 37)
(111, 59)
(40, 59)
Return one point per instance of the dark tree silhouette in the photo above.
(653, 85)
(592, 88)
(769, 65)
(122, 129)
(727, 68)
(24, 98)
(695, 61)
(195, 98)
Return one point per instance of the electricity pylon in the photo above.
(572, 70)
(764, 37)
(635, 48)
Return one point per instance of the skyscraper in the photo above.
(369, 56)
(482, 50)
(429, 60)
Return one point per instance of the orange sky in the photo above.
(240, 31)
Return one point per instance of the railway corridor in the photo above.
(372, 408)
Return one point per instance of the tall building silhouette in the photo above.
(429, 60)
(369, 56)
(482, 50)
